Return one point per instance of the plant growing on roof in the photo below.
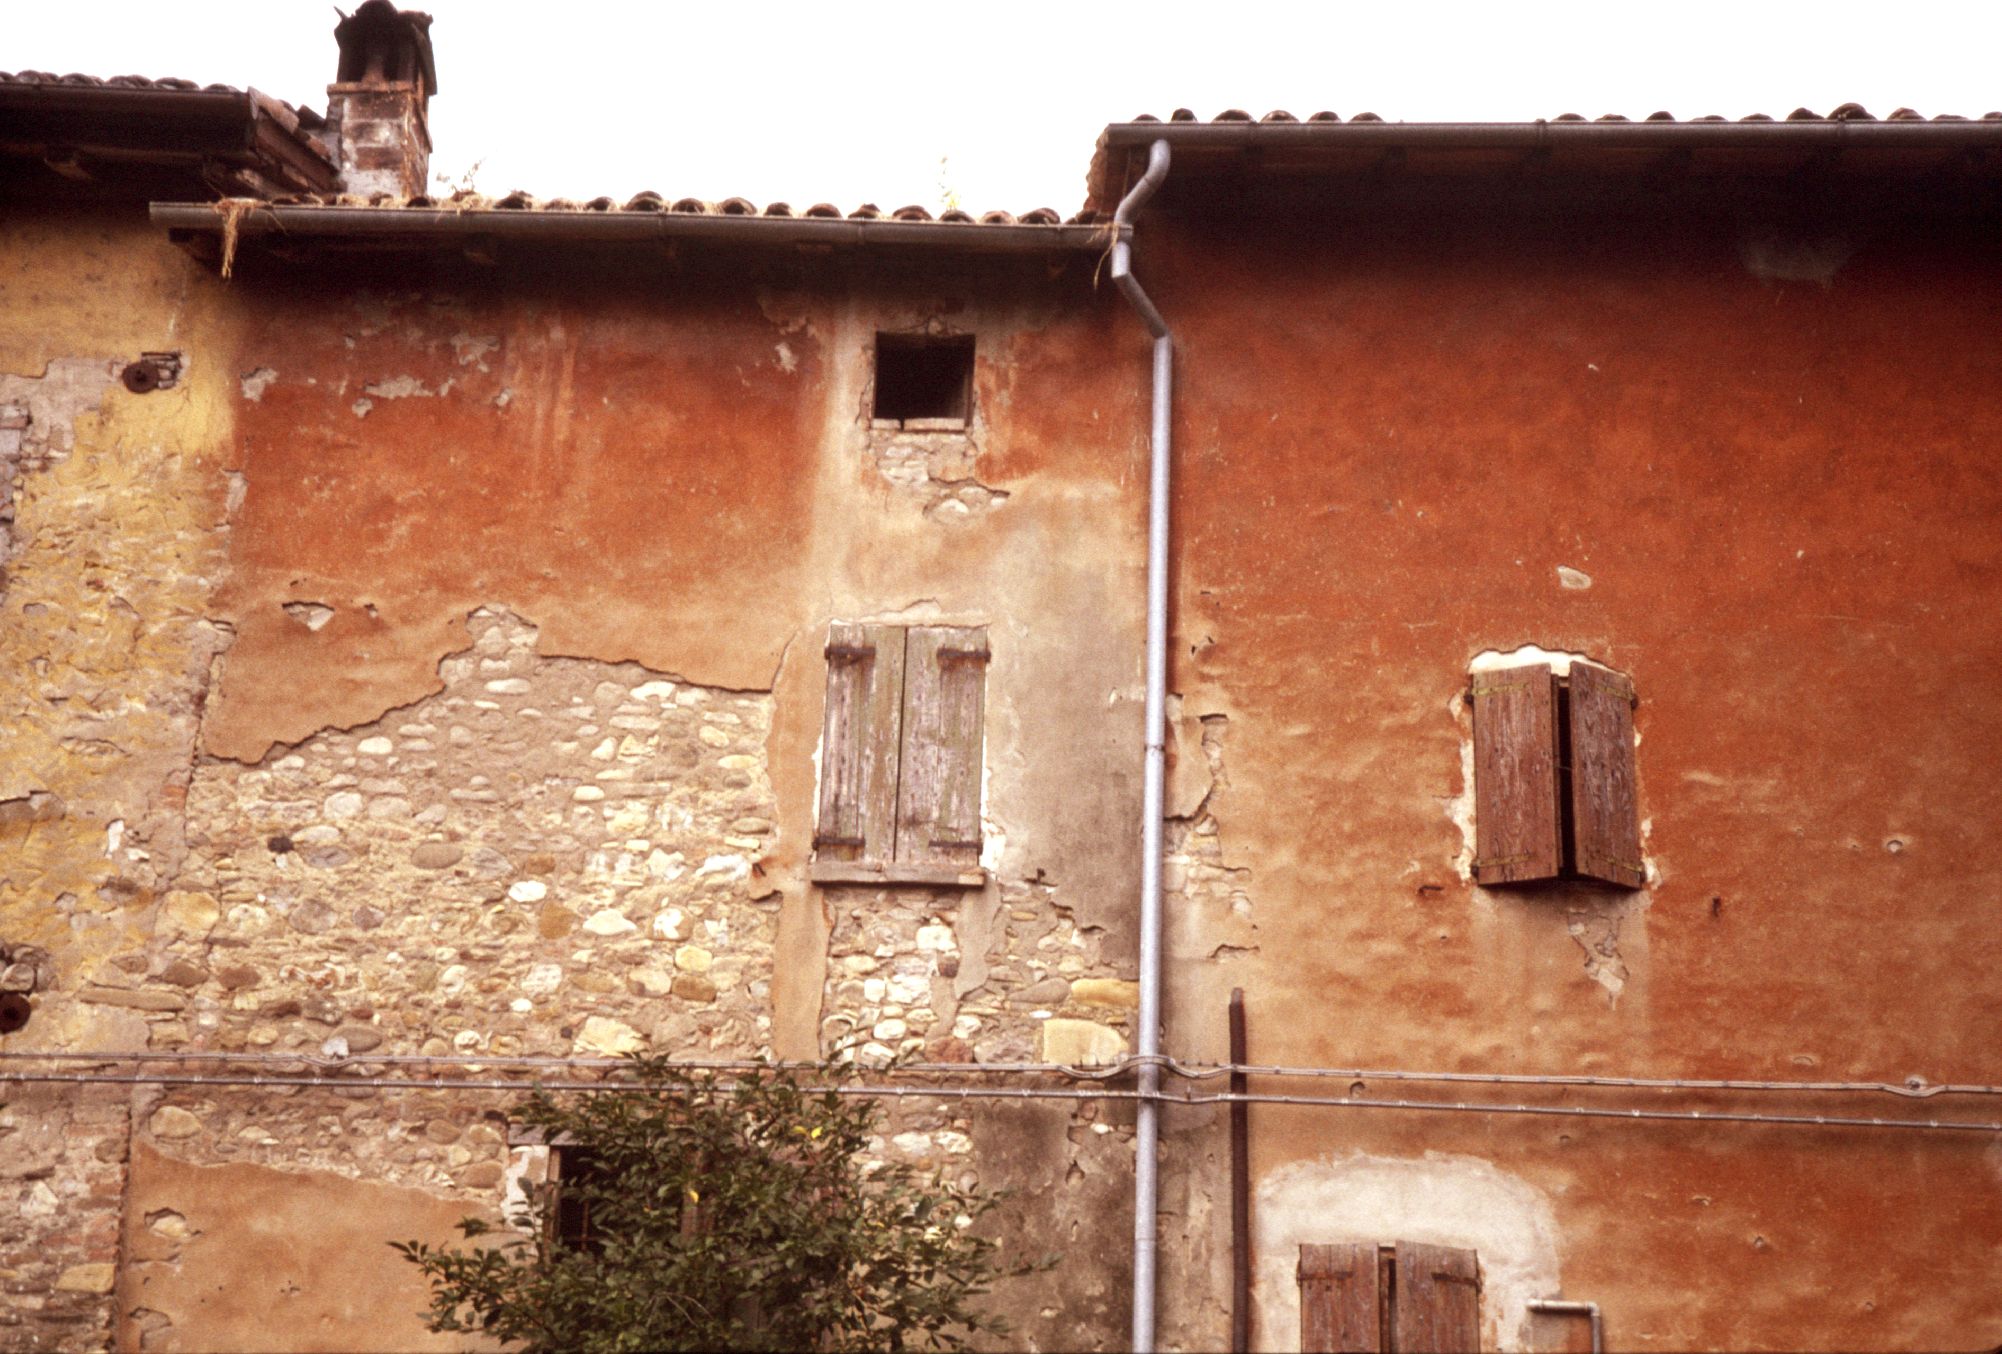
(734, 1213)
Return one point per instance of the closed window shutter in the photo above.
(1516, 807)
(858, 746)
(1605, 814)
(1438, 1300)
(1340, 1300)
(938, 800)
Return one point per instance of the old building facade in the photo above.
(464, 640)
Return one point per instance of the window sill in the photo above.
(941, 875)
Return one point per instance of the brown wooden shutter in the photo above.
(1438, 1300)
(1516, 808)
(938, 801)
(1605, 813)
(858, 746)
(1339, 1300)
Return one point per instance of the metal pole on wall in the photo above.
(1240, 1184)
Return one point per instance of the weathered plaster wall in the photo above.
(499, 696)
(323, 1277)
(106, 571)
(1768, 500)
(625, 468)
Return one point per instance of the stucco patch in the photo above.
(1444, 1200)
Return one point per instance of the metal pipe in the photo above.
(1240, 1185)
(1146, 1166)
(615, 227)
(1589, 1310)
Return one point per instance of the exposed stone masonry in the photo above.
(552, 856)
(926, 973)
(62, 1154)
(935, 466)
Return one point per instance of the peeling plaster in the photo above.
(1445, 1200)
(405, 388)
(312, 615)
(255, 383)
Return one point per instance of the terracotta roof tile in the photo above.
(465, 200)
(167, 84)
(1848, 112)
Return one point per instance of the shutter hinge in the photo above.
(851, 651)
(963, 655)
(819, 840)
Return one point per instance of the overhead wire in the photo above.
(950, 1093)
(1914, 1088)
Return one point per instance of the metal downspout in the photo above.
(1146, 1185)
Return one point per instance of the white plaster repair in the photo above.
(1441, 1199)
(1494, 660)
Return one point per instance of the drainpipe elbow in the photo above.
(1122, 240)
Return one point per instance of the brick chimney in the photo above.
(376, 105)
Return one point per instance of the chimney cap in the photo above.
(378, 25)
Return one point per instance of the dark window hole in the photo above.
(14, 1012)
(577, 1170)
(918, 376)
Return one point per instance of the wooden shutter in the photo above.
(938, 800)
(1340, 1300)
(1516, 808)
(1605, 813)
(1438, 1300)
(858, 745)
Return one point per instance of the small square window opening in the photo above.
(922, 377)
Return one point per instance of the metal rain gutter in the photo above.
(421, 225)
(1146, 1138)
(1848, 134)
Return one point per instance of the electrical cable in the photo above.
(947, 1093)
(1914, 1088)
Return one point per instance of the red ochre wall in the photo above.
(1393, 430)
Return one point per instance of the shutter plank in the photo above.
(1605, 811)
(1438, 1300)
(1339, 1300)
(1517, 815)
(945, 684)
(858, 745)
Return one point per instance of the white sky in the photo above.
(860, 101)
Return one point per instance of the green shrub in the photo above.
(724, 1214)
